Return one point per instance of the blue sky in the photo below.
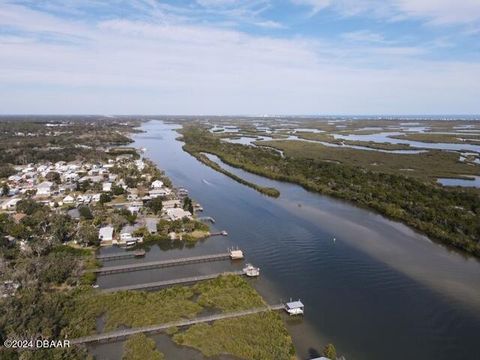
(240, 57)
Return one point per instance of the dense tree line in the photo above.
(449, 215)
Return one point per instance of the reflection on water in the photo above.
(379, 291)
(386, 137)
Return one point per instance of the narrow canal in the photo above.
(373, 287)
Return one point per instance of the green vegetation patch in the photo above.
(228, 293)
(141, 347)
(142, 308)
(130, 309)
(261, 189)
(431, 164)
(371, 179)
(260, 336)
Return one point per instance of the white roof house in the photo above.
(105, 234)
(157, 184)
(178, 213)
(44, 188)
(71, 176)
(140, 164)
(107, 186)
(68, 199)
(159, 192)
(10, 204)
(126, 235)
(170, 204)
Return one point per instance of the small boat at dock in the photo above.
(251, 271)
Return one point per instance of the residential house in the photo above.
(44, 188)
(68, 199)
(151, 225)
(126, 235)
(107, 186)
(135, 206)
(178, 213)
(10, 204)
(105, 235)
(157, 184)
(159, 192)
(170, 204)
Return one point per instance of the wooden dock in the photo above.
(119, 256)
(122, 334)
(161, 264)
(166, 283)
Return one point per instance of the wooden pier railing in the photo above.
(119, 256)
(160, 264)
(121, 334)
(165, 283)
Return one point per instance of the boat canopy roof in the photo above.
(295, 305)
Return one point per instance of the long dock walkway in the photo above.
(161, 264)
(120, 334)
(119, 256)
(165, 283)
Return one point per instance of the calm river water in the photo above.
(379, 291)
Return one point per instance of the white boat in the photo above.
(251, 270)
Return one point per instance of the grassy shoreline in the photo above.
(272, 192)
(450, 216)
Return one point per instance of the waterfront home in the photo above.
(151, 225)
(140, 165)
(171, 204)
(126, 235)
(177, 213)
(105, 235)
(159, 192)
(157, 184)
(44, 188)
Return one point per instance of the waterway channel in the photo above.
(373, 287)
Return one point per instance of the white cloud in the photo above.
(442, 11)
(364, 36)
(316, 5)
(127, 66)
(434, 11)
